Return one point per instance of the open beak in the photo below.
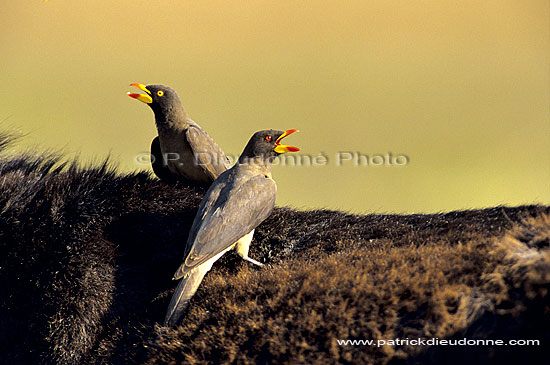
(146, 98)
(282, 148)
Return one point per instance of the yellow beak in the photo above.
(141, 97)
(282, 148)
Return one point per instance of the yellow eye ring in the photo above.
(160, 93)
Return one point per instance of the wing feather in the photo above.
(228, 212)
(207, 152)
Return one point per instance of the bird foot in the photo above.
(253, 261)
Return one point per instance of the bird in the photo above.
(234, 205)
(182, 151)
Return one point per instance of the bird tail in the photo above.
(183, 294)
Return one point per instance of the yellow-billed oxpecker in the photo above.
(183, 151)
(236, 203)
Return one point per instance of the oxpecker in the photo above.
(183, 151)
(234, 205)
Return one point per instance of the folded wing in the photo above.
(207, 153)
(231, 212)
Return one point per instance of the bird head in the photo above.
(162, 99)
(266, 144)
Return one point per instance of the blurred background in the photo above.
(461, 88)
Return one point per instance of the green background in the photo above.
(460, 87)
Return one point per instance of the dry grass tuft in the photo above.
(295, 311)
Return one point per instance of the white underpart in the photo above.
(243, 245)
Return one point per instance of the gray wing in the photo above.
(206, 151)
(233, 213)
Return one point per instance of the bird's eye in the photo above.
(160, 93)
(268, 138)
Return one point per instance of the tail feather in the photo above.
(187, 288)
(183, 294)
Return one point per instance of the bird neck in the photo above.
(259, 164)
(172, 120)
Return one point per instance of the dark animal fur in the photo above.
(87, 256)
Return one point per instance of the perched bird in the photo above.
(236, 203)
(183, 151)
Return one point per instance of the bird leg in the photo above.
(243, 245)
(253, 261)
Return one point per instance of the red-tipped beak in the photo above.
(282, 148)
(146, 98)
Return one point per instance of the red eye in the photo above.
(268, 138)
